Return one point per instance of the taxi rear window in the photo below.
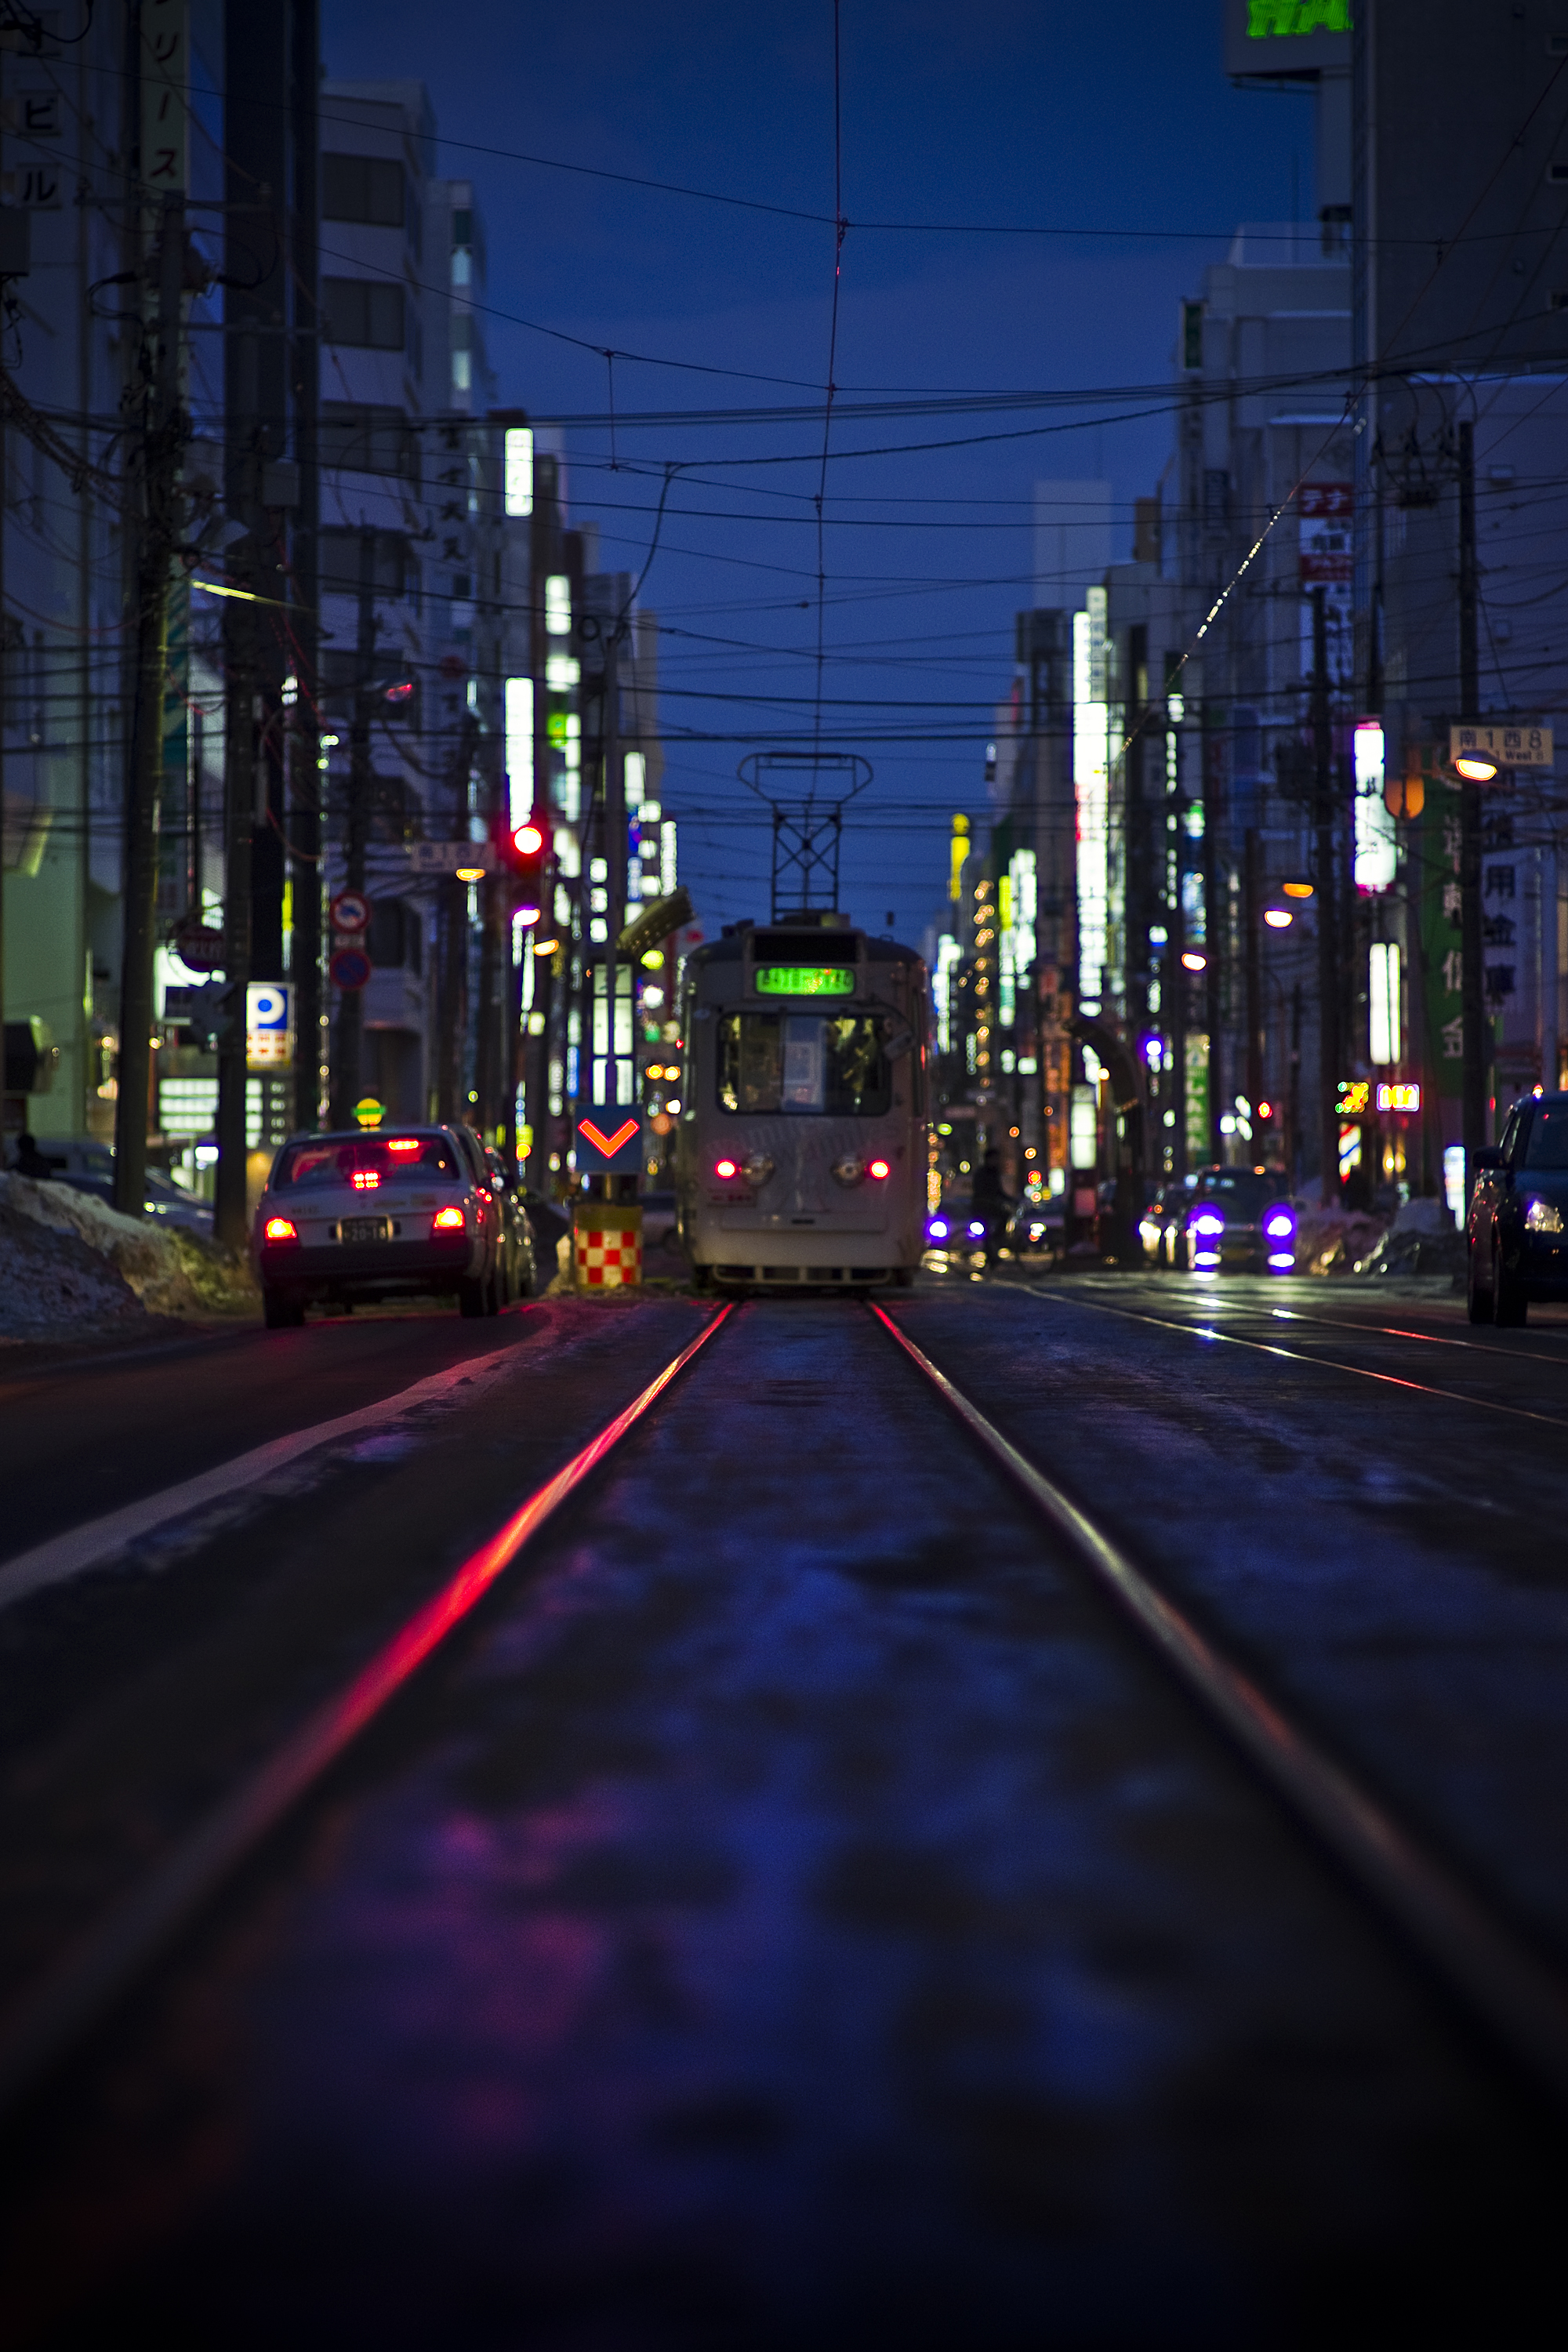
(369, 1163)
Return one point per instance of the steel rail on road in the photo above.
(1521, 2001)
(1298, 1355)
(55, 2016)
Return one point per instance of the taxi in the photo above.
(400, 1213)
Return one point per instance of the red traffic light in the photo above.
(528, 839)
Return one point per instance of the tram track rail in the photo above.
(56, 2013)
(1521, 2001)
(1491, 1973)
(1216, 1337)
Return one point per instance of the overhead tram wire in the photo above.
(1126, 234)
(840, 224)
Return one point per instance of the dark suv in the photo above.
(1516, 1235)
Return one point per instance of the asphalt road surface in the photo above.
(791, 1905)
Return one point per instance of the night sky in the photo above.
(1070, 119)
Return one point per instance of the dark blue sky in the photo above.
(1074, 118)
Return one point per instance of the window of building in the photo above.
(341, 556)
(364, 313)
(363, 188)
(368, 440)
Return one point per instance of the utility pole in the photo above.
(15, 242)
(1328, 960)
(1215, 925)
(1175, 950)
(615, 796)
(615, 850)
(490, 1063)
(1472, 1009)
(347, 1074)
(230, 1218)
(452, 941)
(164, 440)
(1250, 916)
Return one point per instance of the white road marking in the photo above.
(62, 1557)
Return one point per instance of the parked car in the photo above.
(397, 1212)
(1516, 1233)
(518, 1264)
(87, 1166)
(1239, 1218)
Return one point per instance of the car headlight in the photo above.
(977, 1229)
(1208, 1220)
(936, 1231)
(1544, 1217)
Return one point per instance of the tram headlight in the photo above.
(726, 1169)
(757, 1168)
(881, 1169)
(848, 1170)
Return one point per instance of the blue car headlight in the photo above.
(1278, 1224)
(977, 1229)
(936, 1230)
(1544, 1217)
(1208, 1220)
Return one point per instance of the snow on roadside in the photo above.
(67, 1258)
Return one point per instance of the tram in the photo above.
(801, 1154)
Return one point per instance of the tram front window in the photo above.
(803, 1062)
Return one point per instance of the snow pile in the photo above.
(1423, 1239)
(1332, 1240)
(66, 1257)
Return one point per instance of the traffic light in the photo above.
(525, 848)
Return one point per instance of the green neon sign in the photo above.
(804, 980)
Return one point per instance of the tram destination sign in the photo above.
(804, 980)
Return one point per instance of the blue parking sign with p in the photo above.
(269, 1020)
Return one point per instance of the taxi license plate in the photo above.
(366, 1229)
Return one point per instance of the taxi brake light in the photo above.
(446, 1220)
(366, 1178)
(281, 1229)
(401, 1144)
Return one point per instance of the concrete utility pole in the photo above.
(615, 852)
(452, 941)
(615, 798)
(1328, 960)
(1252, 917)
(163, 441)
(230, 1220)
(347, 1074)
(1175, 948)
(1472, 1007)
(1215, 926)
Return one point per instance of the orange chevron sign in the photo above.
(608, 1144)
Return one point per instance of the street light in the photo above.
(1278, 918)
(1298, 888)
(1476, 767)
(1194, 960)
